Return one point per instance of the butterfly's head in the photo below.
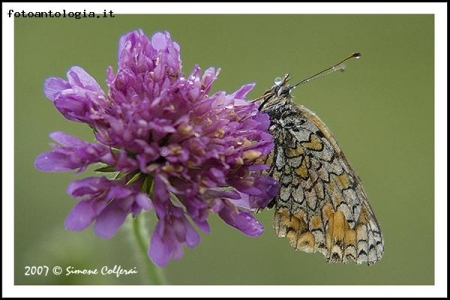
(281, 88)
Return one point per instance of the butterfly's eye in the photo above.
(283, 91)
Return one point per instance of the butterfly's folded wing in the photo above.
(321, 205)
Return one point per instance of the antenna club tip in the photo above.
(356, 55)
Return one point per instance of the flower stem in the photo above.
(154, 273)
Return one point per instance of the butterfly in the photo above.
(321, 205)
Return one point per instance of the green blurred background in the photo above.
(380, 110)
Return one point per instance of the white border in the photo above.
(440, 288)
(236, 8)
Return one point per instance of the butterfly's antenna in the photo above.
(337, 67)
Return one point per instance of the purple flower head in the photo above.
(177, 149)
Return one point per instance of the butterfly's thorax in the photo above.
(321, 205)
